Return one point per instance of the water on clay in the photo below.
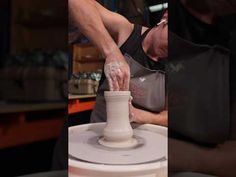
(84, 146)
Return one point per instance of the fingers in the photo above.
(114, 80)
(123, 76)
(118, 75)
(126, 82)
(114, 83)
(131, 114)
(130, 100)
(110, 84)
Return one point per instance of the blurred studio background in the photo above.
(33, 83)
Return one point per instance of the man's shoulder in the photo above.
(130, 33)
(143, 28)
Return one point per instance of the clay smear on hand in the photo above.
(113, 74)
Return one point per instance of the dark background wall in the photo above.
(4, 26)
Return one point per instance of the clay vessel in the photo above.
(118, 126)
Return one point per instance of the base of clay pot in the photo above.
(132, 142)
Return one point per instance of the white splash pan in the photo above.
(86, 169)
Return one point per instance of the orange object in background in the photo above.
(80, 103)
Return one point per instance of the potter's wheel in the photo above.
(84, 146)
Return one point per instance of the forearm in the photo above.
(158, 118)
(89, 16)
(86, 16)
(142, 116)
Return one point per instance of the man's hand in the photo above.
(107, 31)
(145, 117)
(117, 72)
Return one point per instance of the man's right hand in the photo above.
(117, 72)
(103, 28)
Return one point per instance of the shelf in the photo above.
(15, 108)
(90, 60)
(72, 96)
(17, 132)
(27, 123)
(80, 103)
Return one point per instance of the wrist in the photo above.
(110, 50)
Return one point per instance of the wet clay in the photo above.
(118, 132)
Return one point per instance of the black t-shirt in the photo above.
(133, 47)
